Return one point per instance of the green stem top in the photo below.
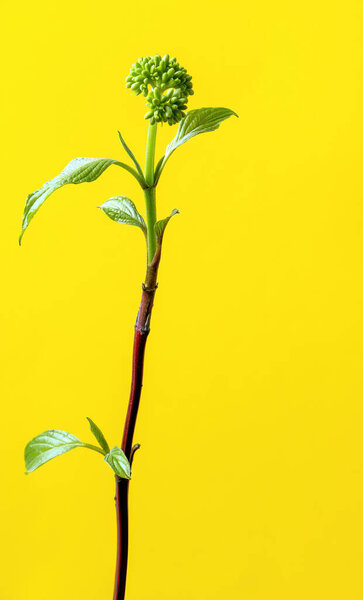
(150, 191)
(150, 154)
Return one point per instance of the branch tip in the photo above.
(133, 450)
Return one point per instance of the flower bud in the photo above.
(165, 84)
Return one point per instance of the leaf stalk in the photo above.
(96, 448)
(140, 180)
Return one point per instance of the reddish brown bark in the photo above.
(142, 328)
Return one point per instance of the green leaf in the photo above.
(99, 435)
(79, 170)
(160, 225)
(195, 122)
(159, 167)
(119, 463)
(131, 155)
(50, 444)
(123, 210)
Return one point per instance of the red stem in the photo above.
(142, 328)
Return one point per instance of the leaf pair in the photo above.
(84, 170)
(123, 210)
(54, 442)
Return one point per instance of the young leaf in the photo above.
(123, 210)
(50, 444)
(160, 225)
(79, 170)
(119, 463)
(195, 122)
(158, 169)
(99, 435)
(131, 155)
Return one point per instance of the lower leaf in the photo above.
(119, 463)
(51, 444)
(123, 210)
(160, 225)
(48, 445)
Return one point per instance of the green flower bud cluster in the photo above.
(170, 87)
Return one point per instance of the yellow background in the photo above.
(249, 481)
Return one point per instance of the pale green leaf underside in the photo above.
(79, 170)
(200, 120)
(48, 445)
(195, 122)
(99, 435)
(119, 463)
(160, 225)
(123, 210)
